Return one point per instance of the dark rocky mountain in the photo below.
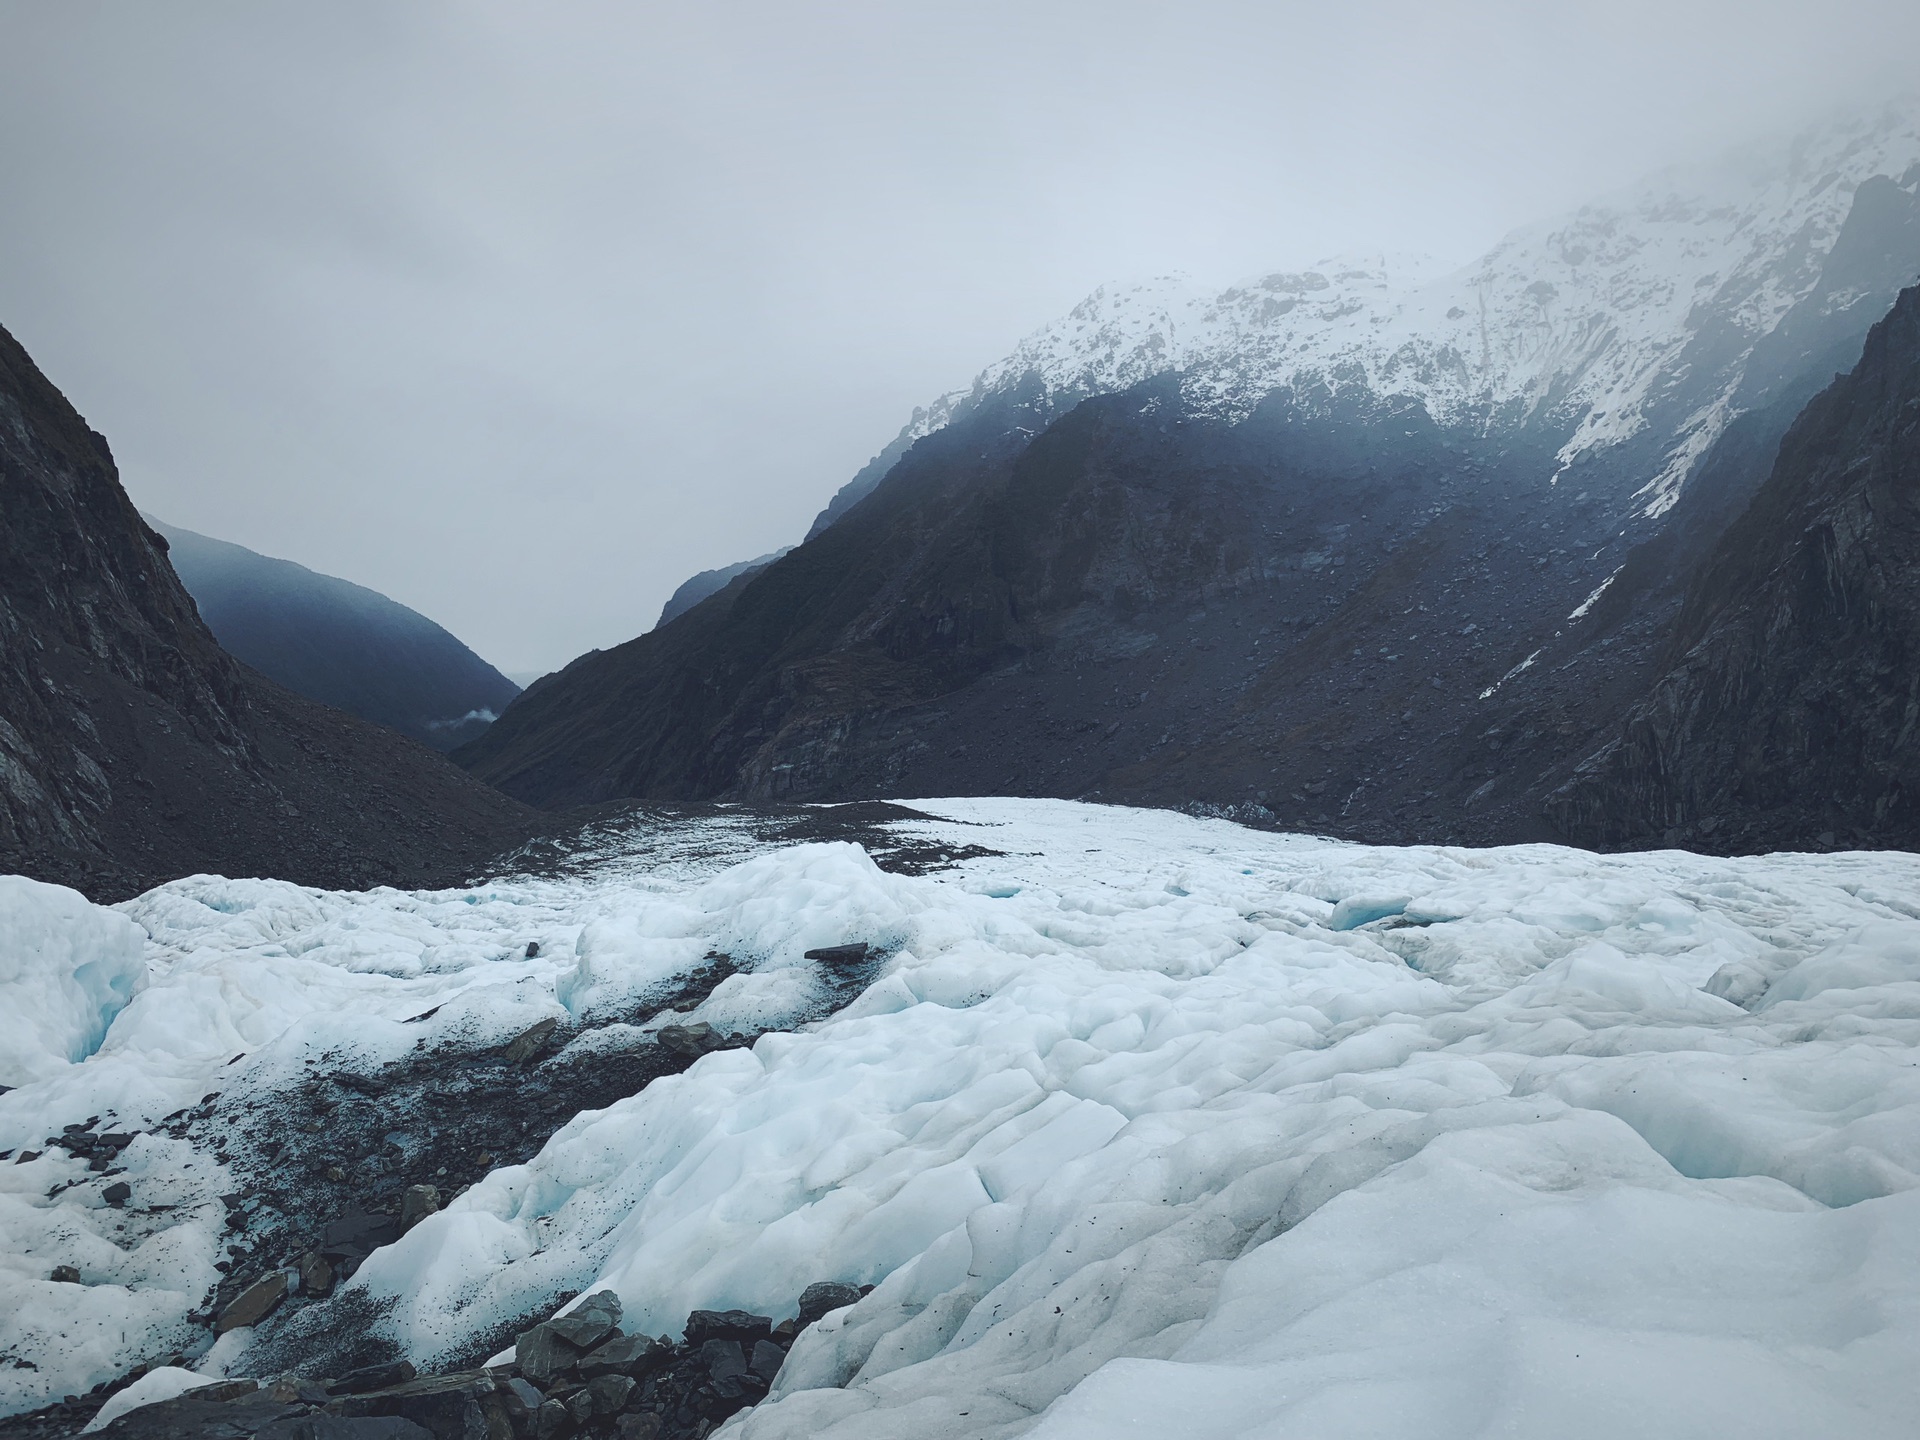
(1335, 610)
(1788, 713)
(698, 587)
(134, 749)
(339, 643)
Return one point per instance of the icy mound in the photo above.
(1159, 1126)
(67, 968)
(1146, 1125)
(255, 982)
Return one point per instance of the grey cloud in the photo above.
(523, 314)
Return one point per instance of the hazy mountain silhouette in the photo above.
(339, 643)
(698, 587)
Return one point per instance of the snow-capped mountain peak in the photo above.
(1582, 324)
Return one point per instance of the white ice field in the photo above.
(1150, 1126)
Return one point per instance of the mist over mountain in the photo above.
(1348, 554)
(133, 749)
(339, 643)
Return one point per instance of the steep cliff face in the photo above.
(132, 748)
(1790, 715)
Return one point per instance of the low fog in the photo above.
(521, 314)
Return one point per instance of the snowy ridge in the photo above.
(1577, 323)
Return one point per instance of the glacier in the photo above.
(1143, 1124)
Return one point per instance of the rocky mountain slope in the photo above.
(698, 587)
(1346, 560)
(339, 643)
(133, 749)
(1794, 687)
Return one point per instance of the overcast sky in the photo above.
(523, 313)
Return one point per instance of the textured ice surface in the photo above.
(247, 982)
(1160, 1126)
(66, 969)
(1152, 1125)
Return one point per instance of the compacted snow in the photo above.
(1146, 1125)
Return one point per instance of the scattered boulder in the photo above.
(65, 1275)
(455, 1406)
(552, 1421)
(609, 1393)
(638, 1388)
(196, 1416)
(416, 1204)
(541, 1354)
(253, 1304)
(705, 1325)
(692, 1041)
(579, 1407)
(724, 1359)
(289, 1388)
(824, 1298)
(767, 1360)
(372, 1377)
(633, 1355)
(579, 1376)
(344, 1427)
(851, 954)
(227, 1389)
(524, 1046)
(533, 949)
(589, 1322)
(357, 1234)
(316, 1275)
(117, 1194)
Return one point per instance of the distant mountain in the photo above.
(339, 643)
(1355, 557)
(133, 749)
(708, 582)
(1631, 320)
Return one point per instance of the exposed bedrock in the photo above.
(133, 749)
(1788, 713)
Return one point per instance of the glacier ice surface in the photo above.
(1146, 1125)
